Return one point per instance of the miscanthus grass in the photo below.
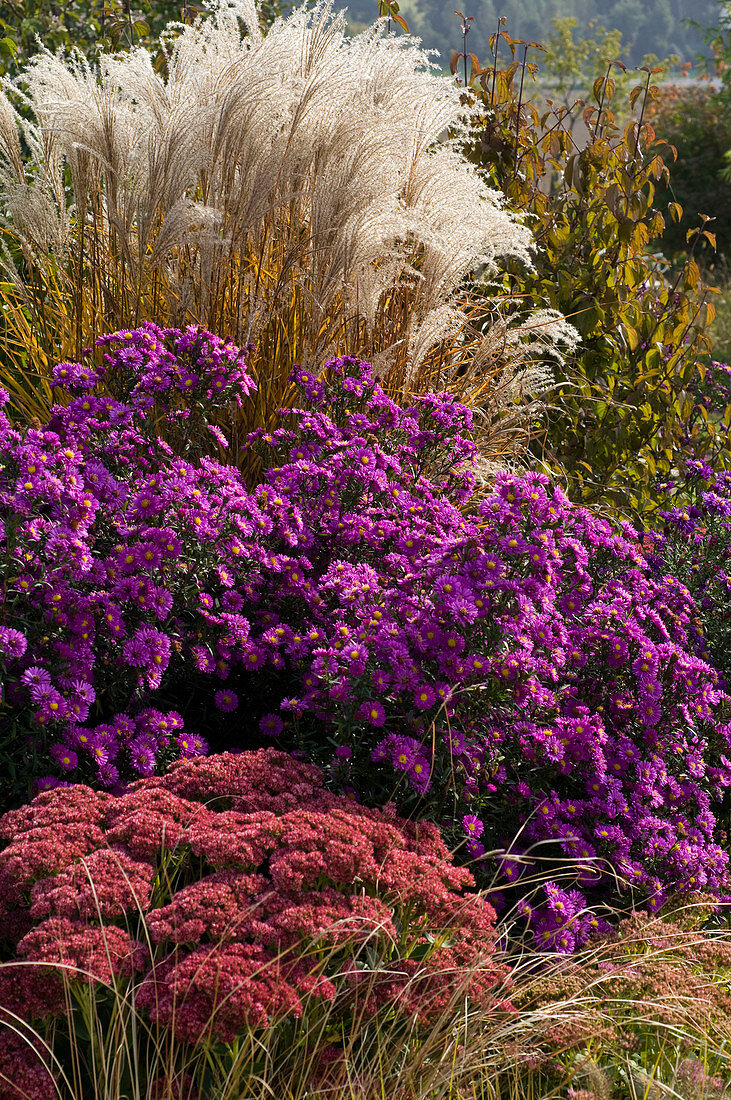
(301, 190)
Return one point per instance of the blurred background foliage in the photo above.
(695, 119)
(92, 26)
(655, 26)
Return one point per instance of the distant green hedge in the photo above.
(697, 122)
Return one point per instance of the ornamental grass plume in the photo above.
(295, 190)
(656, 1007)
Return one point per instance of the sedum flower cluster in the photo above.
(509, 664)
(235, 892)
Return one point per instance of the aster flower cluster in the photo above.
(109, 539)
(366, 606)
(510, 641)
(250, 914)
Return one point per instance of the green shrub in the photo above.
(622, 404)
(93, 26)
(696, 121)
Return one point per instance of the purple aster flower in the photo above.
(381, 751)
(646, 665)
(420, 774)
(36, 677)
(651, 689)
(74, 376)
(618, 650)
(364, 458)
(254, 657)
(472, 825)
(423, 697)
(13, 643)
(537, 556)
(142, 757)
(84, 691)
(373, 713)
(354, 654)
(226, 700)
(158, 647)
(123, 728)
(137, 650)
(52, 704)
(108, 774)
(63, 373)
(475, 847)
(49, 783)
(452, 644)
(65, 757)
(129, 357)
(146, 504)
(271, 724)
(188, 382)
(403, 751)
(99, 754)
(185, 744)
(513, 544)
(650, 712)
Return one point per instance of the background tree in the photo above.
(620, 422)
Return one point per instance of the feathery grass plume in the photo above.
(510, 367)
(295, 190)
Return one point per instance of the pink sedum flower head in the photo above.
(277, 884)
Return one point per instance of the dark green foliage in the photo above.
(695, 547)
(696, 121)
